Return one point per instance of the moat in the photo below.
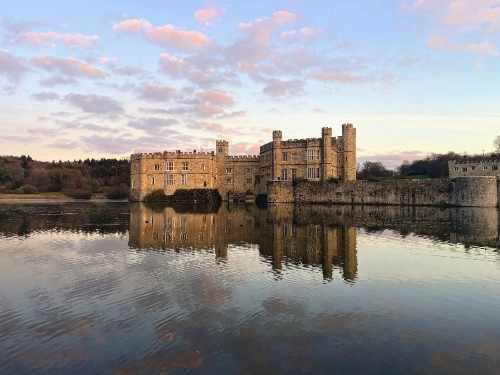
(127, 288)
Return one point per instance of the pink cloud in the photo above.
(325, 91)
(208, 14)
(441, 44)
(12, 67)
(216, 97)
(165, 36)
(318, 110)
(246, 148)
(207, 110)
(294, 36)
(340, 77)
(71, 41)
(171, 65)
(156, 92)
(204, 125)
(69, 66)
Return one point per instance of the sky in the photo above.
(92, 79)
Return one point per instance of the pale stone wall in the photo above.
(467, 168)
(151, 172)
(238, 174)
(463, 191)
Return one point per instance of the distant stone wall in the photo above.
(462, 191)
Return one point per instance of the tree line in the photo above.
(77, 178)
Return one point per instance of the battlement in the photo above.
(172, 155)
(222, 143)
(294, 143)
(480, 161)
(277, 134)
(266, 147)
(243, 158)
(314, 142)
(347, 126)
(326, 132)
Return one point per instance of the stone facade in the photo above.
(461, 191)
(316, 159)
(469, 168)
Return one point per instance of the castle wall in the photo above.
(463, 191)
(170, 171)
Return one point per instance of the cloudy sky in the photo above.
(108, 78)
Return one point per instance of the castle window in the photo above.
(294, 229)
(153, 181)
(220, 149)
(284, 230)
(135, 167)
(284, 156)
(456, 168)
(185, 166)
(248, 170)
(494, 167)
(184, 236)
(229, 170)
(294, 174)
(183, 179)
(294, 156)
(157, 167)
(229, 180)
(170, 179)
(284, 174)
(169, 166)
(249, 180)
(202, 167)
(133, 184)
(312, 154)
(473, 168)
(464, 169)
(313, 173)
(485, 167)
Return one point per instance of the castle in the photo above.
(315, 159)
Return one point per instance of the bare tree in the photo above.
(496, 143)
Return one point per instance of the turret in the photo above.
(276, 170)
(349, 151)
(221, 148)
(326, 134)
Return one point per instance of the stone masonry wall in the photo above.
(464, 191)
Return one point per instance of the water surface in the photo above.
(128, 289)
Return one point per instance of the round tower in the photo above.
(349, 151)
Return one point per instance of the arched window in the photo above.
(153, 181)
(220, 149)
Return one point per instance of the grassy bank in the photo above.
(55, 196)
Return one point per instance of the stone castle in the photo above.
(314, 159)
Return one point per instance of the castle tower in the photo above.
(276, 155)
(326, 134)
(349, 152)
(221, 148)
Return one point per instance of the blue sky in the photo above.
(109, 78)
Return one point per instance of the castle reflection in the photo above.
(280, 236)
(316, 235)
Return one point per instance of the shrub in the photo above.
(94, 184)
(78, 193)
(156, 196)
(29, 189)
(249, 192)
(118, 192)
